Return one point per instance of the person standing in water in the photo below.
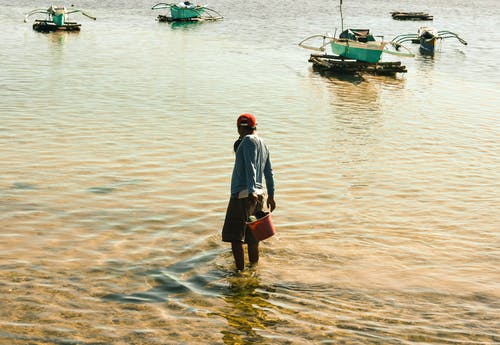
(252, 164)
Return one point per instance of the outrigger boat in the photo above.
(355, 44)
(427, 38)
(358, 44)
(186, 11)
(57, 19)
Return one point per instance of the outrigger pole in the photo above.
(51, 12)
(85, 14)
(449, 34)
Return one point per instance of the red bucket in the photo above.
(262, 228)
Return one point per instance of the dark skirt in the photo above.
(238, 211)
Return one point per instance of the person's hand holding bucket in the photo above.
(271, 204)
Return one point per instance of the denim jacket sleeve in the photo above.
(250, 157)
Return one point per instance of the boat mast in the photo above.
(341, 18)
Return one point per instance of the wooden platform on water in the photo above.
(49, 26)
(168, 19)
(333, 64)
(411, 16)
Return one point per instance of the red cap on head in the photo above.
(247, 120)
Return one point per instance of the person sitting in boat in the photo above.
(185, 4)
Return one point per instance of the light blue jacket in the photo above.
(252, 162)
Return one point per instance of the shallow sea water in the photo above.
(116, 158)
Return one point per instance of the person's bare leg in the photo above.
(238, 254)
(253, 253)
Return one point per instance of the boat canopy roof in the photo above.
(360, 35)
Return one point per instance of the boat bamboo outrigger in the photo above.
(354, 44)
(427, 37)
(57, 19)
(186, 11)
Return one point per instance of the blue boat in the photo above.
(427, 37)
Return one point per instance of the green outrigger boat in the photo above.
(57, 19)
(353, 44)
(186, 11)
(358, 44)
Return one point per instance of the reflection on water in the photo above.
(426, 62)
(186, 25)
(60, 37)
(361, 93)
(246, 311)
